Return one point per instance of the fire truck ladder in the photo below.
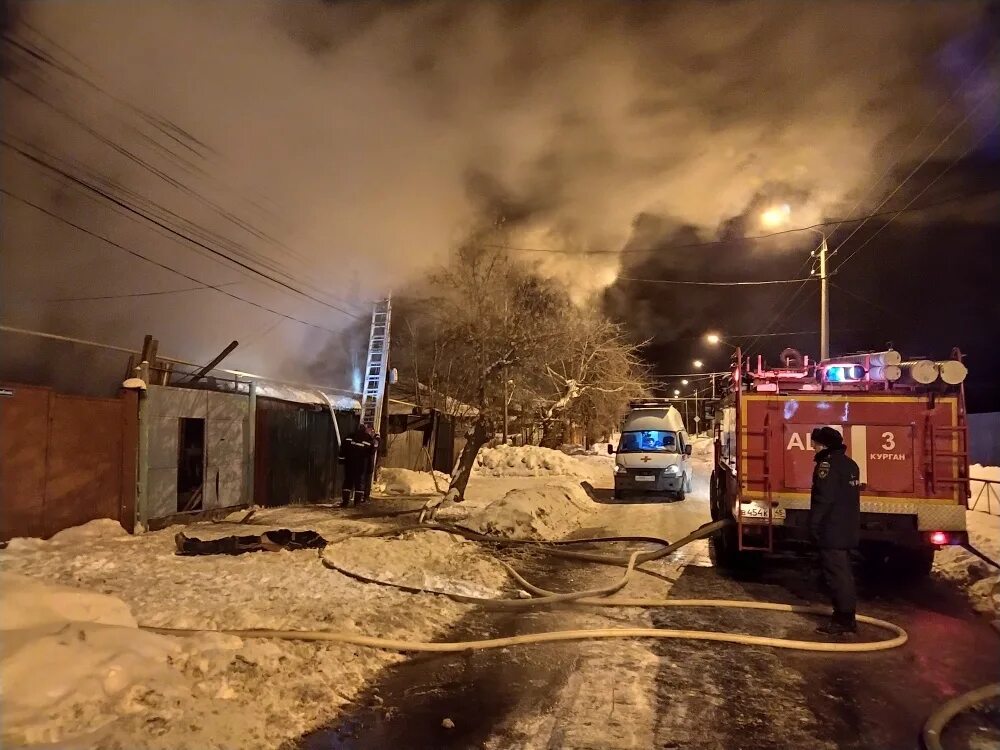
(958, 438)
(373, 389)
(764, 481)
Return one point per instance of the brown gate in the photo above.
(64, 460)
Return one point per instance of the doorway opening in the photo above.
(190, 464)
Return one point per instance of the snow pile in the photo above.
(407, 482)
(208, 691)
(73, 660)
(102, 528)
(547, 512)
(528, 461)
(980, 580)
(432, 560)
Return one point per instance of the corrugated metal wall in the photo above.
(984, 438)
(296, 453)
(64, 460)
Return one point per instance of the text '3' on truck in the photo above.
(654, 452)
(903, 423)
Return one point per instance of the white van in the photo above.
(654, 452)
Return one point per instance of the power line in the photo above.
(231, 245)
(714, 243)
(917, 168)
(128, 250)
(926, 187)
(920, 133)
(713, 283)
(181, 235)
(175, 360)
(121, 296)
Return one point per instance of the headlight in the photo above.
(619, 469)
(672, 470)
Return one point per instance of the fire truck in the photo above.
(904, 424)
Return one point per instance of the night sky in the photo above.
(305, 158)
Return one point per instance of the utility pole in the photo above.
(824, 305)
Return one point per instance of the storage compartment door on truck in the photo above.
(883, 453)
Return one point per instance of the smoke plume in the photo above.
(346, 148)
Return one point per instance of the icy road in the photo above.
(677, 695)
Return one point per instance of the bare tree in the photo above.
(487, 318)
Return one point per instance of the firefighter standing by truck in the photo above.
(834, 524)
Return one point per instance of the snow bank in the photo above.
(407, 482)
(429, 559)
(73, 660)
(528, 461)
(547, 512)
(980, 581)
(102, 528)
(159, 693)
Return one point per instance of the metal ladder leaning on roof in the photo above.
(373, 389)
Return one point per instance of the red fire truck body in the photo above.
(910, 444)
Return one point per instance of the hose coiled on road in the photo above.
(590, 597)
(948, 711)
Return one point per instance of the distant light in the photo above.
(677, 392)
(698, 364)
(713, 338)
(684, 382)
(776, 215)
(939, 537)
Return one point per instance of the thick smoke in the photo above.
(368, 141)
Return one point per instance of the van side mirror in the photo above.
(687, 449)
(611, 449)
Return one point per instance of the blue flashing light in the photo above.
(844, 373)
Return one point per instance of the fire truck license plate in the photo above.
(760, 511)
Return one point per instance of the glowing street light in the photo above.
(776, 215)
(677, 392)
(698, 364)
(684, 382)
(713, 338)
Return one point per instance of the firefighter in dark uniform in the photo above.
(357, 451)
(834, 523)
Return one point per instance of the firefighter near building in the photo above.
(904, 427)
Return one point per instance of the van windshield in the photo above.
(648, 441)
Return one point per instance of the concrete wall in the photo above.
(984, 439)
(226, 450)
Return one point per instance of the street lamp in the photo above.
(684, 382)
(698, 364)
(677, 392)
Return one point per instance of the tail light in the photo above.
(939, 538)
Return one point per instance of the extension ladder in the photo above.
(373, 388)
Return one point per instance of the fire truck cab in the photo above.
(908, 437)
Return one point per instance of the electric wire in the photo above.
(130, 251)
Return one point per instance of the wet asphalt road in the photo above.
(680, 695)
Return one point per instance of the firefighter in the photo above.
(357, 452)
(834, 523)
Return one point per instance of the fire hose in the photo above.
(936, 723)
(600, 597)
(593, 597)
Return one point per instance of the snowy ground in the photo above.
(108, 684)
(75, 667)
(980, 580)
